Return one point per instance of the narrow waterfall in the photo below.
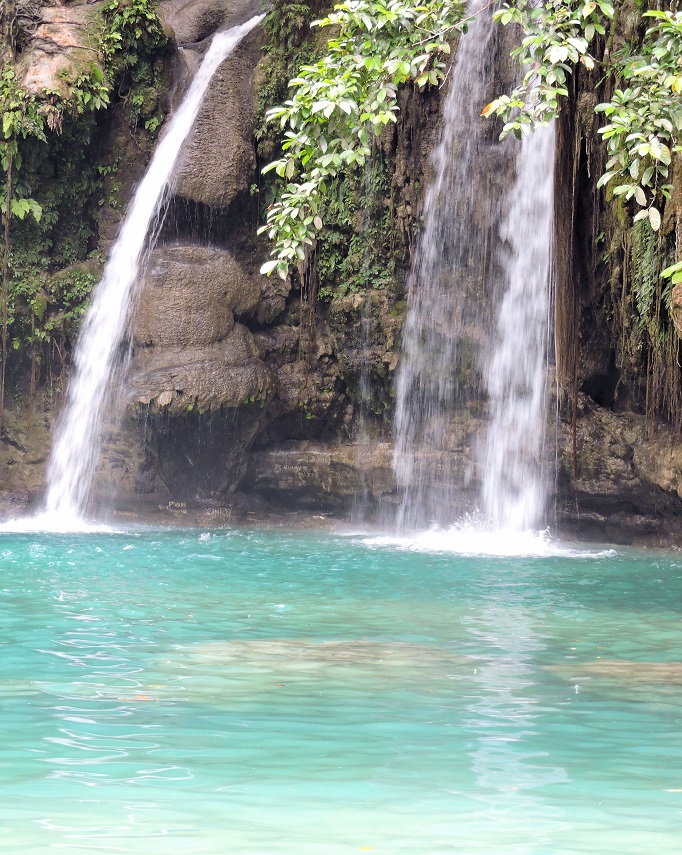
(441, 336)
(98, 357)
(514, 487)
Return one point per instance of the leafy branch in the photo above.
(645, 118)
(558, 35)
(341, 103)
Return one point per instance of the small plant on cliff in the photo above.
(50, 175)
(343, 101)
(20, 119)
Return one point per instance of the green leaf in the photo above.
(655, 218)
(674, 268)
(558, 53)
(605, 178)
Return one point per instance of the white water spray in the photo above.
(75, 453)
(514, 477)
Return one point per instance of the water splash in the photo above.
(98, 356)
(470, 536)
(514, 477)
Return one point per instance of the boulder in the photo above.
(225, 374)
(218, 159)
(192, 21)
(190, 296)
(59, 48)
(626, 483)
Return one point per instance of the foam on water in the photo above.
(468, 538)
(52, 522)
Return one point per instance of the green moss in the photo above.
(290, 42)
(357, 247)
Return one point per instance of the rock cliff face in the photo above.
(297, 368)
(60, 44)
(251, 393)
(231, 368)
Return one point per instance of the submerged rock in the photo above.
(295, 654)
(624, 671)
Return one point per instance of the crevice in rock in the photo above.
(602, 386)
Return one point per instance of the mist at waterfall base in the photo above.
(277, 693)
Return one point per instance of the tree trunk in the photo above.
(5, 288)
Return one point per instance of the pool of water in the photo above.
(279, 694)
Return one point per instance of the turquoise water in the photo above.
(272, 693)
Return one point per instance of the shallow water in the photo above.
(272, 693)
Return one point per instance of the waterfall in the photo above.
(514, 486)
(441, 333)
(98, 357)
(477, 320)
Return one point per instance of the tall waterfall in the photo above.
(477, 321)
(450, 263)
(514, 486)
(75, 453)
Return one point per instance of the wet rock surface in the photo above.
(190, 297)
(195, 20)
(317, 476)
(625, 484)
(219, 160)
(225, 374)
(60, 44)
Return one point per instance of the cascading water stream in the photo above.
(465, 336)
(514, 488)
(97, 359)
(450, 265)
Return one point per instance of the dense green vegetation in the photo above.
(627, 51)
(56, 178)
(342, 101)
